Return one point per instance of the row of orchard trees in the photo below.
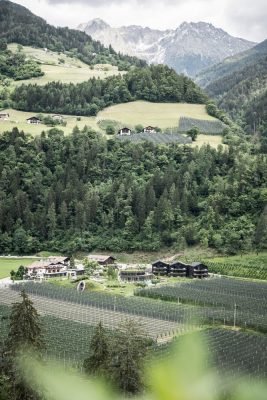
(118, 359)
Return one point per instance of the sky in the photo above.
(241, 18)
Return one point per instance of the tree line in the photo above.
(154, 83)
(81, 192)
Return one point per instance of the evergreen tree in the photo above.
(261, 231)
(97, 362)
(129, 351)
(51, 221)
(24, 335)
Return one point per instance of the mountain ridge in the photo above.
(189, 48)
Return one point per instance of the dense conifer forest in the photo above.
(81, 192)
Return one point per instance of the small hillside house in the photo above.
(57, 117)
(33, 120)
(4, 116)
(52, 267)
(149, 129)
(178, 268)
(125, 132)
(102, 259)
(160, 268)
(197, 270)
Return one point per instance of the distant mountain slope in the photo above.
(18, 24)
(188, 49)
(239, 84)
(232, 64)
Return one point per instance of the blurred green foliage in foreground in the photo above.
(182, 376)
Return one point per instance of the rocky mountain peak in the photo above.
(190, 48)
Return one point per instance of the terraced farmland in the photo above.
(247, 301)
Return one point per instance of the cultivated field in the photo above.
(8, 264)
(205, 126)
(163, 115)
(244, 299)
(90, 313)
(244, 353)
(157, 138)
(61, 67)
(253, 266)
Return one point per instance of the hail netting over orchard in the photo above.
(244, 302)
(205, 304)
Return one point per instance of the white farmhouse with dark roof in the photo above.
(33, 120)
(149, 129)
(52, 267)
(4, 116)
(125, 131)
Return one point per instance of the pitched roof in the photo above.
(50, 262)
(196, 264)
(157, 261)
(35, 118)
(180, 262)
(57, 259)
(100, 257)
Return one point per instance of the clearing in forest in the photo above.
(61, 67)
(162, 115)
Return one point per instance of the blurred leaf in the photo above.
(184, 375)
(56, 383)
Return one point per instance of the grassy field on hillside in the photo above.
(163, 115)
(7, 264)
(60, 67)
(18, 118)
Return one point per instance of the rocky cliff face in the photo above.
(188, 49)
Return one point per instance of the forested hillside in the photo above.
(155, 83)
(232, 64)
(239, 85)
(19, 25)
(81, 192)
